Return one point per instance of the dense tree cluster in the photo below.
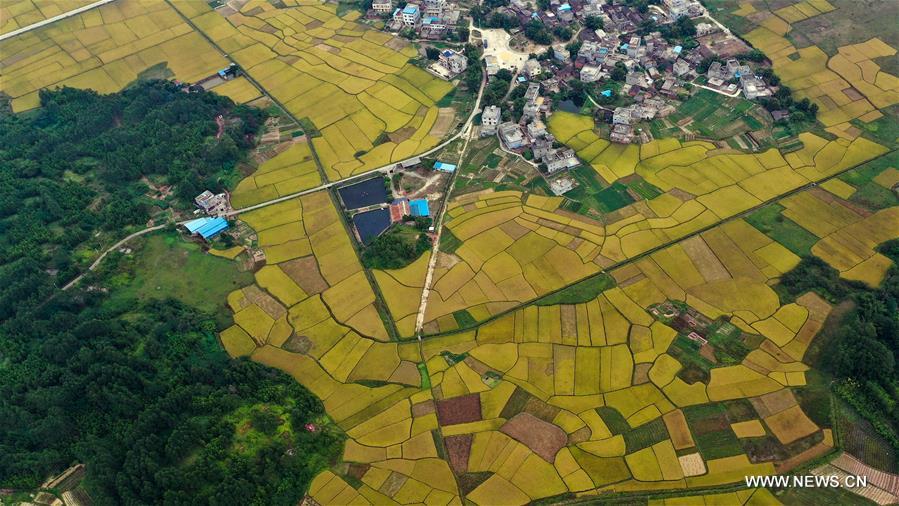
(75, 165)
(496, 90)
(863, 350)
(146, 398)
(142, 393)
(397, 248)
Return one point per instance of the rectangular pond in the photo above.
(366, 193)
(370, 224)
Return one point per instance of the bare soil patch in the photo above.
(459, 410)
(543, 438)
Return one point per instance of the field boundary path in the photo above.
(438, 225)
(54, 19)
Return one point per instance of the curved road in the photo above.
(465, 128)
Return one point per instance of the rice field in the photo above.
(518, 247)
(15, 14)
(104, 49)
(847, 86)
(355, 85)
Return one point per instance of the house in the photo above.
(536, 129)
(492, 64)
(453, 61)
(636, 78)
(633, 47)
(382, 6)
(489, 120)
(754, 87)
(207, 227)
(444, 167)
(212, 203)
(532, 101)
(532, 68)
(591, 73)
(717, 71)
(561, 54)
(398, 209)
(411, 14)
(622, 134)
(681, 67)
(434, 8)
(511, 135)
(419, 207)
(562, 159)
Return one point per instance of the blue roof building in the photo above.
(678, 49)
(565, 7)
(207, 228)
(606, 93)
(410, 9)
(444, 167)
(419, 207)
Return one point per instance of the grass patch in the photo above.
(449, 242)
(464, 318)
(772, 223)
(425, 377)
(614, 420)
(645, 435)
(644, 188)
(824, 495)
(166, 266)
(582, 291)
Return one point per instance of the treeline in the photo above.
(74, 166)
(863, 350)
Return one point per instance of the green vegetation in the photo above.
(166, 266)
(772, 223)
(397, 248)
(77, 166)
(592, 197)
(448, 242)
(862, 347)
(582, 291)
(712, 115)
(147, 399)
(464, 319)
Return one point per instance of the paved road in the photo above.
(54, 19)
(465, 128)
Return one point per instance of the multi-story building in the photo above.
(490, 120)
(411, 14)
(382, 6)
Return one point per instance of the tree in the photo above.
(432, 52)
(619, 72)
(593, 22)
(536, 31)
(562, 33)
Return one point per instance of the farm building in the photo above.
(398, 209)
(419, 207)
(207, 228)
(444, 167)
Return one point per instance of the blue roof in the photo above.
(410, 9)
(419, 207)
(606, 93)
(446, 52)
(194, 225)
(213, 227)
(206, 227)
(445, 167)
(535, 15)
(625, 46)
(678, 49)
(565, 7)
(522, 79)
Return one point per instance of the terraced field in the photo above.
(354, 84)
(518, 247)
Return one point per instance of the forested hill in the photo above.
(74, 167)
(140, 391)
